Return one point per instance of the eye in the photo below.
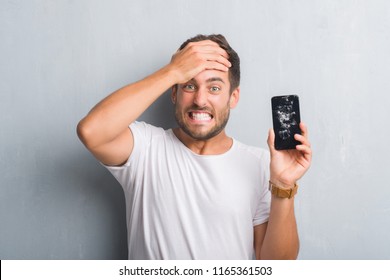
(215, 89)
(189, 87)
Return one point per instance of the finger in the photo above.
(306, 151)
(216, 56)
(303, 128)
(204, 56)
(223, 61)
(203, 43)
(271, 140)
(303, 148)
(220, 59)
(207, 46)
(213, 65)
(302, 139)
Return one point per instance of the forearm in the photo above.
(113, 114)
(281, 239)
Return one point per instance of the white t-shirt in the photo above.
(181, 205)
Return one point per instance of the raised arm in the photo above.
(278, 239)
(104, 131)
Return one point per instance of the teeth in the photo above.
(201, 116)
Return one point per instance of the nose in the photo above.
(200, 98)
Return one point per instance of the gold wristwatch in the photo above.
(281, 192)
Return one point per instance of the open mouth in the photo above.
(200, 116)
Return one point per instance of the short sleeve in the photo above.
(264, 202)
(142, 136)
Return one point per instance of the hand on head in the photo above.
(197, 57)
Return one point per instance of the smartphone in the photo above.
(286, 119)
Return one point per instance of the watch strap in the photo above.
(283, 192)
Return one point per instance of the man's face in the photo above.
(202, 105)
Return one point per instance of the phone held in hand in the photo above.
(286, 118)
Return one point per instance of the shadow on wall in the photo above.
(96, 202)
(100, 196)
(62, 204)
(161, 113)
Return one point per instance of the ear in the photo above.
(234, 97)
(174, 94)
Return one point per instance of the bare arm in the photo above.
(104, 131)
(278, 239)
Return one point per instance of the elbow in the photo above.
(85, 133)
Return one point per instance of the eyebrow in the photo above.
(209, 80)
(215, 79)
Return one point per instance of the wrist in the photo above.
(171, 74)
(176, 76)
(282, 191)
(284, 184)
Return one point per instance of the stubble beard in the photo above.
(202, 135)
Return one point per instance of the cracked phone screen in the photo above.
(286, 119)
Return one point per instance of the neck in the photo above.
(216, 145)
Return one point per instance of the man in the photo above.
(193, 192)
